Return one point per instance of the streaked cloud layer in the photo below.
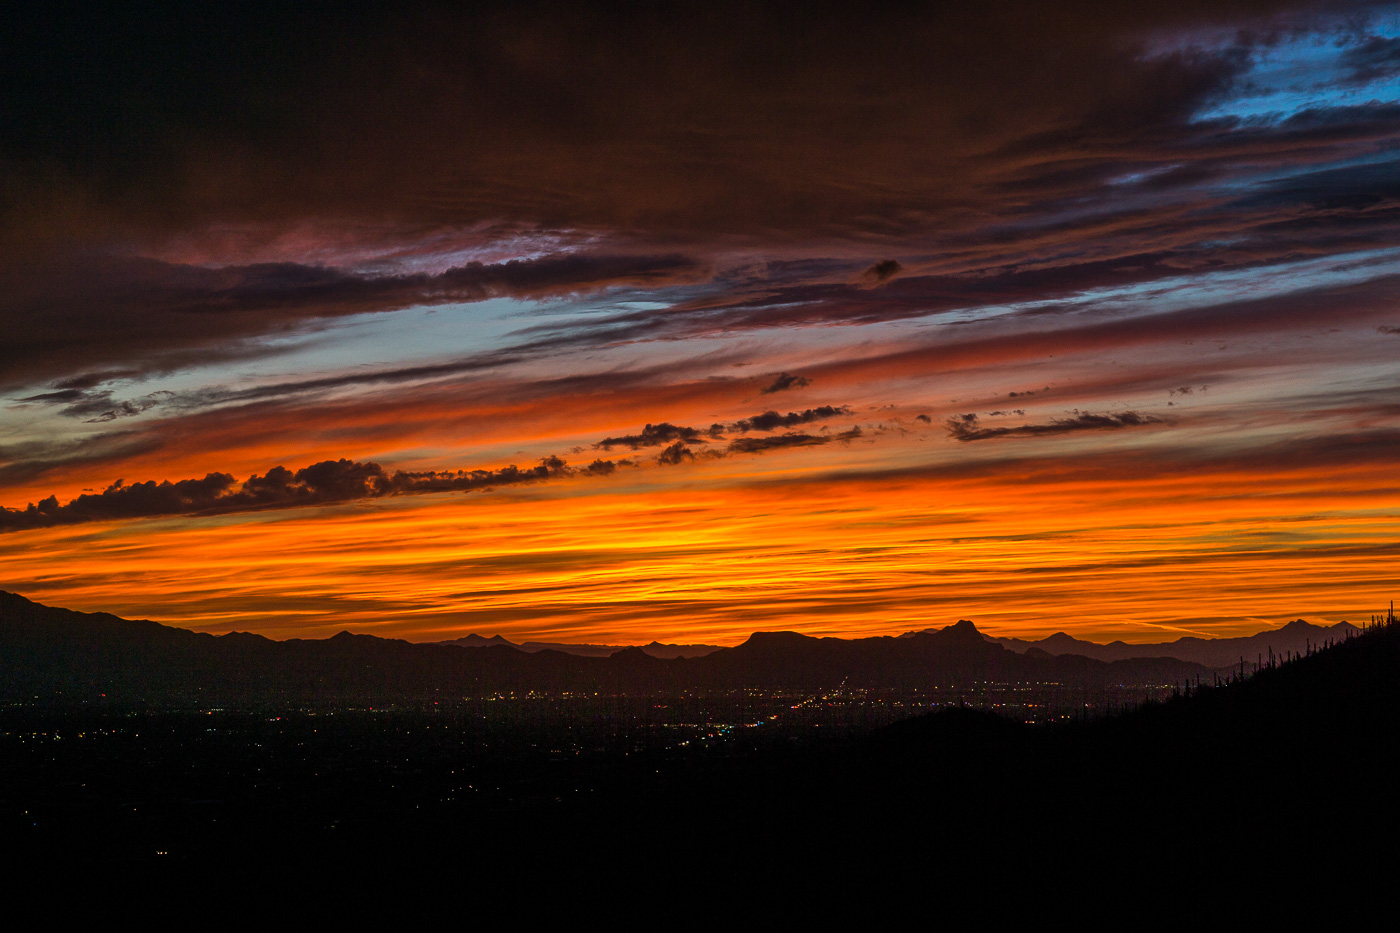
(693, 321)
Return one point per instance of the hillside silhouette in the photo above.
(1251, 778)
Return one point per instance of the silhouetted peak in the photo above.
(963, 629)
(776, 639)
(633, 654)
(477, 641)
(1060, 638)
(243, 637)
(1298, 625)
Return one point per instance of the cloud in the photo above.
(26, 460)
(785, 381)
(327, 482)
(83, 310)
(284, 130)
(771, 420)
(101, 404)
(653, 435)
(1388, 329)
(675, 454)
(756, 445)
(338, 481)
(882, 271)
(968, 427)
(1378, 57)
(1036, 178)
(1323, 306)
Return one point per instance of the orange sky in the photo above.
(728, 548)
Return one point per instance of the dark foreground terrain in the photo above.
(1289, 767)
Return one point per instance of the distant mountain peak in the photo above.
(777, 637)
(633, 654)
(478, 641)
(1297, 625)
(962, 635)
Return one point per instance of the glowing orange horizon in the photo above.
(713, 551)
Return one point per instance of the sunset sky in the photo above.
(681, 322)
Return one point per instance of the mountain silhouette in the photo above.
(74, 656)
(656, 649)
(1292, 639)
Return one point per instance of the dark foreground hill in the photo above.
(1246, 783)
(1285, 774)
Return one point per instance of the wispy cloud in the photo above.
(969, 427)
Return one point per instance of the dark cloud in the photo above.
(1378, 57)
(588, 118)
(1388, 329)
(100, 404)
(80, 311)
(882, 271)
(1370, 194)
(653, 435)
(122, 501)
(1141, 235)
(1324, 306)
(338, 481)
(1026, 153)
(786, 381)
(756, 445)
(969, 428)
(327, 482)
(771, 420)
(924, 418)
(24, 461)
(675, 454)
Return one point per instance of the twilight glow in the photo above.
(682, 324)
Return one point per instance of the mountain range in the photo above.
(51, 652)
(1297, 637)
(656, 649)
